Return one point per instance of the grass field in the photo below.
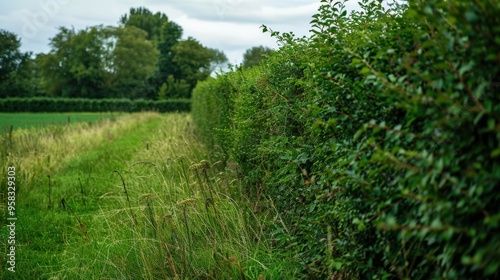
(29, 120)
(130, 198)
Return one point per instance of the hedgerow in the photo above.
(47, 104)
(376, 139)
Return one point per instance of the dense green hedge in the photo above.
(45, 104)
(377, 139)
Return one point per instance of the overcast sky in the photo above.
(229, 25)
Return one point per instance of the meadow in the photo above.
(134, 197)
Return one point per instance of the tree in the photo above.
(170, 36)
(181, 63)
(195, 61)
(253, 56)
(164, 34)
(15, 67)
(98, 62)
(173, 88)
(134, 60)
(218, 61)
(144, 19)
(75, 66)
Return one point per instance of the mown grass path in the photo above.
(44, 226)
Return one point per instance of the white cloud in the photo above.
(229, 25)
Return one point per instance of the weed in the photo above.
(81, 226)
(81, 190)
(126, 195)
(50, 191)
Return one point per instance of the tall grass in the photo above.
(64, 154)
(182, 221)
(170, 214)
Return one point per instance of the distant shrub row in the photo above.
(43, 104)
(377, 139)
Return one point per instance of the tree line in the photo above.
(143, 57)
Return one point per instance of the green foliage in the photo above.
(253, 56)
(164, 33)
(15, 67)
(181, 62)
(134, 60)
(98, 62)
(195, 61)
(144, 19)
(74, 67)
(44, 104)
(377, 139)
(175, 88)
(162, 94)
(170, 36)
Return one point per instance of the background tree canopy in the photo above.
(254, 55)
(15, 66)
(143, 57)
(98, 62)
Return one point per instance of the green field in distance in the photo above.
(28, 120)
